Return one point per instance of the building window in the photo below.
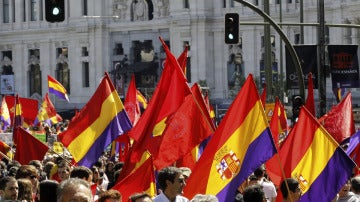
(256, 2)
(84, 52)
(41, 5)
(13, 10)
(186, 4)
(224, 3)
(297, 39)
(6, 11)
(7, 61)
(85, 8)
(118, 50)
(289, 1)
(232, 5)
(62, 68)
(33, 10)
(35, 79)
(86, 74)
(24, 13)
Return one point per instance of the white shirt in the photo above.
(162, 198)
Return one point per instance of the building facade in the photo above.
(122, 37)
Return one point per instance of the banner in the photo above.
(344, 66)
(7, 84)
(308, 60)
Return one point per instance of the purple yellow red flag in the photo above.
(99, 122)
(57, 88)
(141, 100)
(310, 155)
(47, 112)
(241, 143)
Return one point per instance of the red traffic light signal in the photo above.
(231, 28)
(54, 10)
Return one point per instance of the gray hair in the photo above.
(71, 184)
(204, 198)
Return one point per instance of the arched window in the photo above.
(35, 79)
(63, 75)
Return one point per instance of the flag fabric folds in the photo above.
(141, 100)
(57, 89)
(182, 59)
(241, 143)
(28, 147)
(5, 115)
(310, 155)
(140, 180)
(167, 98)
(47, 112)
(100, 122)
(4, 148)
(187, 128)
(28, 113)
(339, 121)
(131, 104)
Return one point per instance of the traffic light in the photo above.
(55, 10)
(297, 102)
(231, 28)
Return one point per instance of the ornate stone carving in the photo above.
(33, 60)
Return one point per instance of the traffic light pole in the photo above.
(287, 43)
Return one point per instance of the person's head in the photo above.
(25, 189)
(294, 188)
(171, 181)
(48, 190)
(110, 196)
(254, 193)
(37, 164)
(355, 184)
(344, 191)
(140, 197)
(204, 198)
(252, 180)
(29, 172)
(63, 170)
(82, 172)
(259, 172)
(9, 188)
(74, 189)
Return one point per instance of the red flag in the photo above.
(167, 98)
(4, 148)
(131, 104)
(141, 180)
(182, 59)
(339, 121)
(263, 96)
(185, 130)
(28, 147)
(29, 112)
(310, 102)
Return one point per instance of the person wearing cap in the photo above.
(268, 186)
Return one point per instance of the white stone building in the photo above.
(122, 37)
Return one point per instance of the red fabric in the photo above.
(29, 111)
(186, 161)
(141, 180)
(4, 148)
(187, 128)
(28, 147)
(131, 104)
(339, 121)
(274, 123)
(167, 98)
(182, 59)
(310, 102)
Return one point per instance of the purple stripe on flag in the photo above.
(353, 143)
(119, 125)
(57, 93)
(259, 151)
(337, 171)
